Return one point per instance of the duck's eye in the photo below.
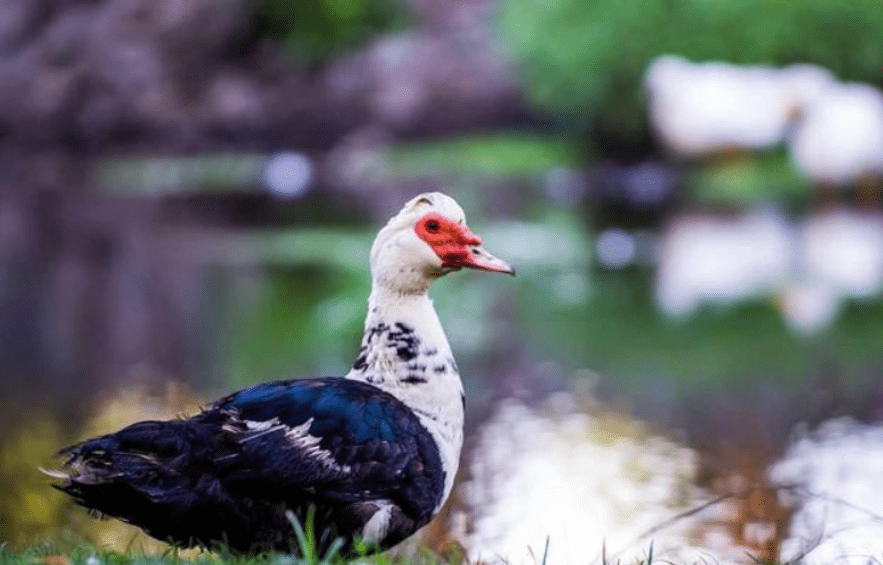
(432, 226)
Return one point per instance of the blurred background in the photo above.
(691, 191)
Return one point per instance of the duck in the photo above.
(839, 140)
(366, 459)
(702, 109)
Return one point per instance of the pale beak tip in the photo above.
(480, 259)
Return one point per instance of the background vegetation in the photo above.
(584, 63)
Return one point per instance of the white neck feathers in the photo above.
(405, 352)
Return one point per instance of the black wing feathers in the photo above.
(231, 472)
(353, 442)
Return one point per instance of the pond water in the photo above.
(831, 477)
(570, 482)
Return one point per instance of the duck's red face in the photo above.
(456, 245)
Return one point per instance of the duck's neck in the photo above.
(405, 352)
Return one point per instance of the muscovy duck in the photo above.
(370, 456)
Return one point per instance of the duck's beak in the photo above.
(479, 258)
(458, 247)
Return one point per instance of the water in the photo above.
(833, 477)
(596, 484)
(591, 483)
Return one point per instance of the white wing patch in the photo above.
(263, 426)
(299, 437)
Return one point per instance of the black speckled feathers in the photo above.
(229, 474)
(401, 343)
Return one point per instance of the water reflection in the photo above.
(833, 479)
(811, 265)
(599, 484)
(591, 481)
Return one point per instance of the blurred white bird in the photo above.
(702, 108)
(839, 138)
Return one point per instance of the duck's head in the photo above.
(428, 238)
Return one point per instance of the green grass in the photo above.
(51, 555)
(59, 554)
(48, 554)
(72, 550)
(306, 552)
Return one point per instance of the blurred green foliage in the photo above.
(212, 173)
(743, 181)
(300, 321)
(314, 30)
(584, 61)
(501, 155)
(28, 507)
